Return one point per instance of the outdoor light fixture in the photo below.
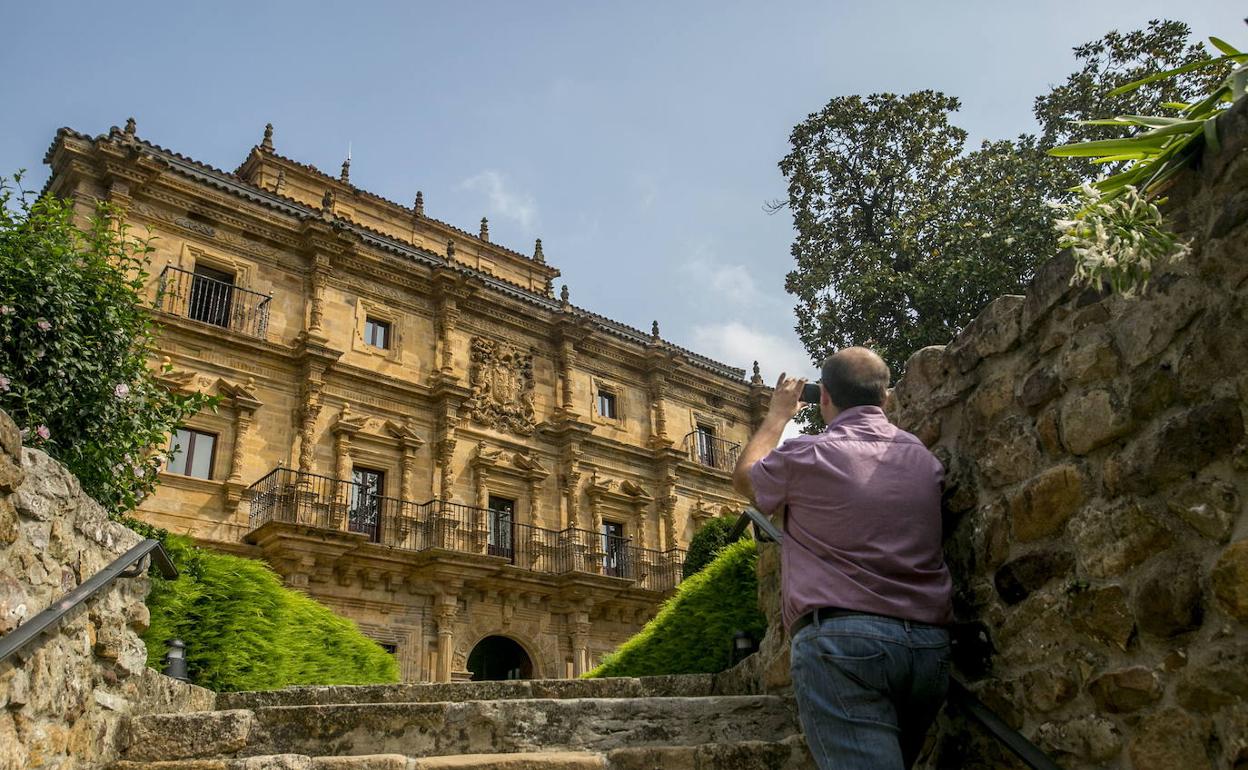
(175, 660)
(742, 646)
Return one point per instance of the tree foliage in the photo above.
(75, 341)
(903, 235)
(707, 544)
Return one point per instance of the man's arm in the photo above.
(784, 405)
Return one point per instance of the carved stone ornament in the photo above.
(502, 386)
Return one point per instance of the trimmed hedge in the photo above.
(244, 630)
(692, 634)
(707, 544)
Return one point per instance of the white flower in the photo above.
(4, 384)
(121, 391)
(44, 325)
(6, 310)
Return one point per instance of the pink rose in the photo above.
(44, 326)
(43, 432)
(4, 384)
(122, 390)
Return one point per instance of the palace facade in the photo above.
(413, 427)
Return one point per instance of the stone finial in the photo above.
(563, 294)
(550, 288)
(419, 206)
(345, 176)
(450, 249)
(281, 180)
(654, 330)
(757, 379)
(327, 201)
(538, 256)
(267, 142)
(485, 229)
(130, 126)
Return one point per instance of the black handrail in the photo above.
(1028, 752)
(129, 564)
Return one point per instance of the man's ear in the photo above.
(824, 398)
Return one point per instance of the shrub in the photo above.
(245, 631)
(75, 339)
(704, 547)
(692, 634)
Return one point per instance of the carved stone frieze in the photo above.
(502, 386)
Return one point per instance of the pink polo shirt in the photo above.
(863, 524)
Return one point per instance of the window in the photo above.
(377, 333)
(212, 294)
(393, 649)
(192, 453)
(502, 525)
(613, 549)
(606, 404)
(367, 486)
(706, 444)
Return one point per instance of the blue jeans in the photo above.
(868, 687)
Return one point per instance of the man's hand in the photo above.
(785, 402)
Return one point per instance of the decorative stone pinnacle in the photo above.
(327, 201)
(345, 176)
(281, 180)
(130, 126)
(419, 206)
(654, 330)
(538, 256)
(267, 142)
(450, 249)
(563, 294)
(757, 379)
(485, 229)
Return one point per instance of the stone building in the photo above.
(413, 428)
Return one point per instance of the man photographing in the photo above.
(865, 591)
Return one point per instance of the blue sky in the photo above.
(639, 140)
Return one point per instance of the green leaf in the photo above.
(1104, 147)
(1190, 67)
(1224, 46)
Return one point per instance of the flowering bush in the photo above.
(1119, 240)
(75, 339)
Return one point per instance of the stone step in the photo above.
(442, 729)
(684, 685)
(539, 760)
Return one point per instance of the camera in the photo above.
(810, 393)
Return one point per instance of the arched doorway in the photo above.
(497, 657)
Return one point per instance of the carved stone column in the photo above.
(243, 399)
(567, 358)
(344, 430)
(445, 611)
(319, 278)
(309, 411)
(580, 642)
(658, 390)
(410, 442)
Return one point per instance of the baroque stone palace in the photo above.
(413, 428)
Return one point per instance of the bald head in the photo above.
(855, 377)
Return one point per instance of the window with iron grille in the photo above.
(377, 333)
(212, 296)
(706, 444)
(192, 453)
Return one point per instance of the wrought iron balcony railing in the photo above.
(209, 300)
(326, 503)
(706, 449)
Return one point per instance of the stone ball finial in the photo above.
(538, 256)
(419, 206)
(130, 126)
(563, 294)
(450, 249)
(267, 141)
(485, 229)
(345, 176)
(654, 330)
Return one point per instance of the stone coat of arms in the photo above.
(502, 386)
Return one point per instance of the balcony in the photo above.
(203, 298)
(706, 449)
(325, 503)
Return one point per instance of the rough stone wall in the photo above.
(1096, 467)
(62, 697)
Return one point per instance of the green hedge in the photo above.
(692, 634)
(707, 544)
(245, 631)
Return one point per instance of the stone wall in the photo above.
(62, 698)
(1096, 467)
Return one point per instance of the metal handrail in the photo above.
(129, 564)
(963, 698)
(710, 450)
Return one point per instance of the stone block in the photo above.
(1042, 506)
(1171, 739)
(1125, 690)
(10, 437)
(991, 398)
(993, 331)
(1093, 418)
(9, 524)
(187, 736)
(1010, 452)
(1229, 580)
(1170, 601)
(1041, 386)
(1215, 678)
(1103, 614)
(1045, 689)
(1177, 447)
(1152, 389)
(1091, 738)
(1089, 356)
(1111, 539)
(1018, 579)
(46, 494)
(1210, 507)
(1050, 286)
(1146, 328)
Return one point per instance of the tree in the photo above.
(75, 340)
(903, 237)
(706, 545)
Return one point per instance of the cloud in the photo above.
(503, 201)
(731, 284)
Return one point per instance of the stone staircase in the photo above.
(652, 723)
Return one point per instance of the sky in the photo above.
(639, 140)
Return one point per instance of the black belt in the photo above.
(821, 613)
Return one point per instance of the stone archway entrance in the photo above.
(498, 657)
